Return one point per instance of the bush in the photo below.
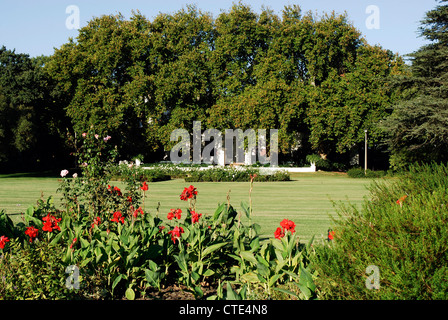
(34, 272)
(239, 174)
(401, 230)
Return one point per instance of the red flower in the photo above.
(118, 191)
(50, 223)
(174, 213)
(330, 235)
(188, 193)
(288, 225)
(96, 222)
(195, 216)
(115, 189)
(175, 233)
(3, 241)
(279, 233)
(31, 232)
(118, 217)
(161, 228)
(74, 241)
(129, 199)
(136, 212)
(401, 200)
(144, 187)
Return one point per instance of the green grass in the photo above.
(307, 199)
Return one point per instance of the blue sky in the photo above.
(36, 27)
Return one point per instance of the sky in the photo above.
(37, 27)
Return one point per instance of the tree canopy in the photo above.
(418, 126)
(314, 78)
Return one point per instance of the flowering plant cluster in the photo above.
(123, 249)
(286, 225)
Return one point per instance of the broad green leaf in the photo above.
(130, 294)
(274, 279)
(245, 208)
(249, 256)
(249, 277)
(116, 281)
(212, 248)
(208, 273)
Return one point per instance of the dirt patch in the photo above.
(177, 292)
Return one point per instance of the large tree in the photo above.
(312, 78)
(31, 125)
(418, 126)
(104, 80)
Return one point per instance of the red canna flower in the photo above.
(3, 241)
(114, 190)
(118, 217)
(195, 216)
(50, 223)
(136, 212)
(118, 191)
(73, 242)
(330, 235)
(174, 213)
(31, 232)
(279, 233)
(188, 193)
(288, 225)
(96, 222)
(175, 233)
(144, 187)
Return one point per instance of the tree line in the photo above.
(314, 78)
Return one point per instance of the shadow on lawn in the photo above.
(41, 174)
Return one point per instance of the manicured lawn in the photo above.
(307, 200)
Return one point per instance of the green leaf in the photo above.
(208, 273)
(218, 213)
(249, 256)
(212, 248)
(56, 239)
(245, 208)
(198, 292)
(116, 281)
(250, 277)
(274, 279)
(263, 270)
(195, 276)
(231, 294)
(130, 294)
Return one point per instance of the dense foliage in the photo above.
(138, 80)
(401, 229)
(417, 129)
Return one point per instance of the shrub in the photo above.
(238, 174)
(401, 230)
(34, 272)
